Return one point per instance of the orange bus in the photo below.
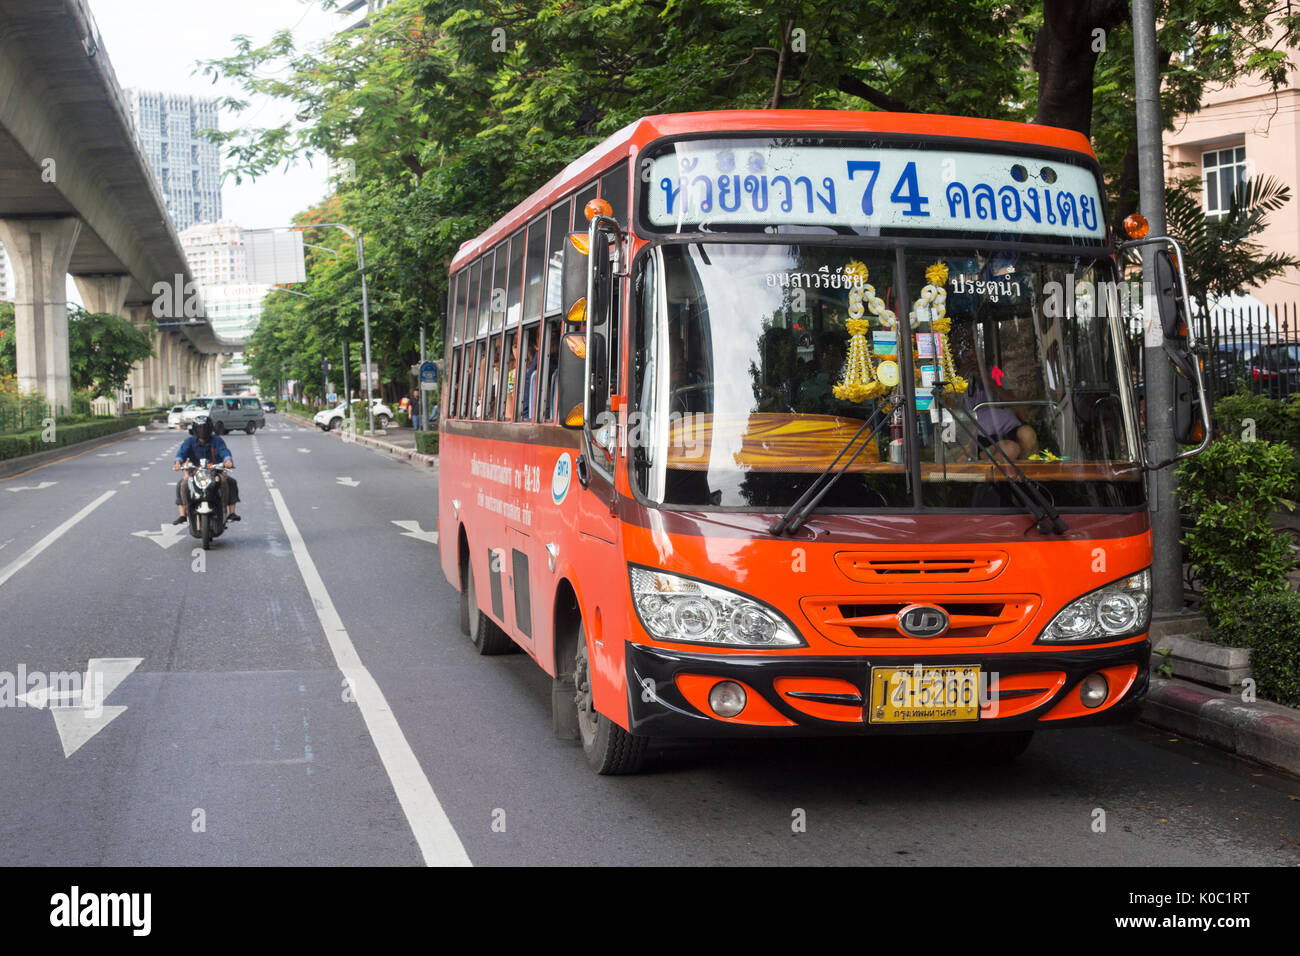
(805, 423)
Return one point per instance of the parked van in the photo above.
(229, 413)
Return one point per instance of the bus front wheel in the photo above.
(609, 748)
(484, 633)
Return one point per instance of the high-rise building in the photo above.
(217, 258)
(215, 252)
(186, 165)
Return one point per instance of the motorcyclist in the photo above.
(203, 444)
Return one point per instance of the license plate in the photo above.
(919, 695)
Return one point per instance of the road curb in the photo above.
(397, 451)
(1261, 731)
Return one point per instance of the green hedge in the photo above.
(30, 443)
(1231, 491)
(1270, 626)
(426, 443)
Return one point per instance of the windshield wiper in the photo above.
(823, 482)
(1046, 517)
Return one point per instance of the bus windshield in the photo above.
(740, 347)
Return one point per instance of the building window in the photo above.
(1222, 170)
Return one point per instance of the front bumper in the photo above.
(657, 706)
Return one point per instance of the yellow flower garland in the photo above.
(859, 382)
(932, 308)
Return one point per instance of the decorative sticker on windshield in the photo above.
(728, 182)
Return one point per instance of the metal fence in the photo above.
(1255, 347)
(26, 417)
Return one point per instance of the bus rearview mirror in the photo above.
(1169, 300)
(570, 378)
(573, 271)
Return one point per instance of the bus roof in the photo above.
(641, 132)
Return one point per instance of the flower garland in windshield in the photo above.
(932, 307)
(859, 382)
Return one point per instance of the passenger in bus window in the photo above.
(526, 403)
(509, 409)
(553, 363)
(494, 372)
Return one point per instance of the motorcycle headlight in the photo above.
(202, 479)
(674, 608)
(1120, 609)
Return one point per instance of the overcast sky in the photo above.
(154, 44)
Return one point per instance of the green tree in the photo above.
(1221, 255)
(102, 350)
(8, 349)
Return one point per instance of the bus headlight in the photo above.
(675, 608)
(1120, 609)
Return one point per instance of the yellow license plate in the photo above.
(918, 695)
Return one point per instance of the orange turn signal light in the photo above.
(577, 344)
(1136, 226)
(579, 241)
(574, 418)
(598, 207)
(578, 311)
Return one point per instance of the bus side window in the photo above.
(547, 371)
(528, 376)
(508, 383)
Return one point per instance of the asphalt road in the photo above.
(301, 695)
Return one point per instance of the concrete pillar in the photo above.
(39, 251)
(142, 391)
(106, 294)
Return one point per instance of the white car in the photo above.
(327, 419)
(174, 417)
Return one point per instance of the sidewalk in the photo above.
(399, 442)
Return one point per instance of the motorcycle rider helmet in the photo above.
(202, 428)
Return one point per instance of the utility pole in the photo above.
(347, 379)
(1158, 374)
(424, 412)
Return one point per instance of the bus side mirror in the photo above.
(1188, 427)
(1169, 298)
(570, 380)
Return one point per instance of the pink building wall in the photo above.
(1267, 123)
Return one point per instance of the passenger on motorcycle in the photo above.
(203, 444)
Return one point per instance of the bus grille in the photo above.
(921, 565)
(854, 621)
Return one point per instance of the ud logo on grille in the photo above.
(922, 620)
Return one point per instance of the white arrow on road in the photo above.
(42, 486)
(80, 713)
(413, 531)
(348, 481)
(166, 536)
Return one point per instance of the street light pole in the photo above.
(1167, 565)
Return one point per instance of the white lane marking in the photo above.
(110, 454)
(433, 831)
(80, 714)
(26, 557)
(166, 535)
(305, 451)
(413, 531)
(41, 487)
(347, 481)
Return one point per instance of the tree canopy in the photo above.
(441, 118)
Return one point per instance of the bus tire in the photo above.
(464, 593)
(609, 748)
(484, 633)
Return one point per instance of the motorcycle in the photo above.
(206, 511)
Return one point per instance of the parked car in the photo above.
(1276, 368)
(1230, 363)
(327, 419)
(228, 412)
(174, 419)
